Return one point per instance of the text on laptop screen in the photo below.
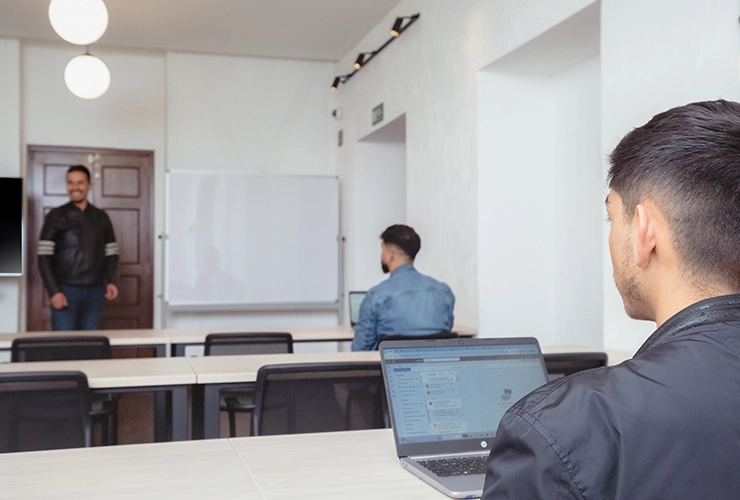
(355, 301)
(458, 392)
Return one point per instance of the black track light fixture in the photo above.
(398, 26)
(361, 59)
(337, 81)
(365, 57)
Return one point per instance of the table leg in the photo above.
(206, 412)
(179, 413)
(161, 411)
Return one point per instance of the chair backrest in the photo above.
(59, 348)
(231, 344)
(318, 397)
(440, 335)
(44, 411)
(564, 364)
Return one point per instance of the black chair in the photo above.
(318, 397)
(440, 335)
(44, 411)
(31, 349)
(239, 399)
(564, 364)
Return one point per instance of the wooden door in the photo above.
(123, 187)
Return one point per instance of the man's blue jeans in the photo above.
(84, 309)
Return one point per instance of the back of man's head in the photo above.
(687, 161)
(404, 238)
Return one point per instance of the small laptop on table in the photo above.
(446, 398)
(355, 301)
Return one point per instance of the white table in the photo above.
(195, 469)
(355, 464)
(213, 373)
(180, 339)
(168, 378)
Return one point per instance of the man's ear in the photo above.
(645, 236)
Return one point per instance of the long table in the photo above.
(167, 378)
(195, 469)
(181, 339)
(357, 464)
(173, 342)
(214, 373)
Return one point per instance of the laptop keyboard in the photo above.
(462, 466)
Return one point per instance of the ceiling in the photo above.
(322, 30)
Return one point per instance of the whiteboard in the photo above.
(251, 239)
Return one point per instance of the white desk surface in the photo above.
(299, 333)
(191, 469)
(111, 373)
(116, 337)
(198, 336)
(357, 464)
(226, 369)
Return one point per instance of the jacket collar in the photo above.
(402, 269)
(706, 312)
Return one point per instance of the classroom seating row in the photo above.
(209, 376)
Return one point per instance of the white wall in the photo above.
(262, 116)
(380, 201)
(201, 112)
(10, 164)
(577, 207)
(515, 200)
(253, 115)
(130, 115)
(658, 54)
(429, 73)
(654, 54)
(539, 202)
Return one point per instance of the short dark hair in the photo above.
(404, 238)
(687, 160)
(80, 168)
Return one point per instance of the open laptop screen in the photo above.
(355, 301)
(457, 392)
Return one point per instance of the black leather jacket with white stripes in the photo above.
(78, 248)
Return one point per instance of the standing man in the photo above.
(407, 303)
(78, 258)
(664, 424)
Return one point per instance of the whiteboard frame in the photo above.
(167, 308)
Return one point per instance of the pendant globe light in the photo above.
(87, 77)
(81, 22)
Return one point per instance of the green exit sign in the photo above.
(378, 113)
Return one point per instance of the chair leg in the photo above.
(232, 423)
(113, 423)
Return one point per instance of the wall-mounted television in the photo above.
(11, 226)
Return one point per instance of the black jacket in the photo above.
(663, 425)
(77, 248)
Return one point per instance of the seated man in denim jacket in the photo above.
(408, 303)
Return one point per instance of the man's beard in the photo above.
(384, 267)
(631, 290)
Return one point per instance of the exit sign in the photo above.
(378, 113)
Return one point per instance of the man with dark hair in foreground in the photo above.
(408, 303)
(665, 424)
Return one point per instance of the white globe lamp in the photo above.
(87, 77)
(81, 22)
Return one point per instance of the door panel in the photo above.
(123, 187)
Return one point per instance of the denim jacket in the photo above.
(407, 303)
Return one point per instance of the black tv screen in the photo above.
(11, 226)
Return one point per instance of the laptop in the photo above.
(446, 398)
(355, 301)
